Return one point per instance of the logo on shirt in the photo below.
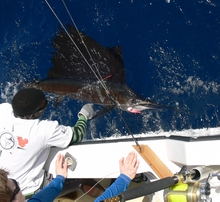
(8, 141)
(22, 141)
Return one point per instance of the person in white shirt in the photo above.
(25, 140)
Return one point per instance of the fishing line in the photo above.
(75, 44)
(126, 125)
(94, 64)
(109, 185)
(95, 185)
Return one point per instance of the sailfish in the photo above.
(77, 63)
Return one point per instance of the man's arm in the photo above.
(128, 169)
(79, 130)
(119, 185)
(51, 191)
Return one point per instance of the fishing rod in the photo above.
(181, 187)
(99, 78)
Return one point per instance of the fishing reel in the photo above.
(185, 186)
(191, 189)
(188, 192)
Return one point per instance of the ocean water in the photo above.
(171, 52)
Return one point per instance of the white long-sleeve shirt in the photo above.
(34, 138)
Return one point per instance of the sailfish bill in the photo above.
(72, 76)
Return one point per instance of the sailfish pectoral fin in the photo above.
(103, 111)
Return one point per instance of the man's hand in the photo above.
(87, 111)
(130, 165)
(61, 166)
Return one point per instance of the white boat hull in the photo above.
(100, 159)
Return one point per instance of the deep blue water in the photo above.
(171, 55)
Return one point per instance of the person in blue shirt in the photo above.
(10, 190)
(51, 191)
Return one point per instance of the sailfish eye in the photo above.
(134, 101)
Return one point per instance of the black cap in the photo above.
(28, 101)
